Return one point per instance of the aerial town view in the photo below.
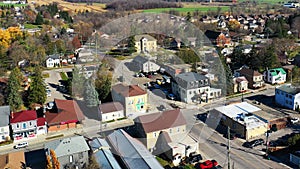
(149, 84)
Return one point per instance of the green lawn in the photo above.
(31, 26)
(16, 5)
(188, 9)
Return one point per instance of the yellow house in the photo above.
(132, 97)
(145, 43)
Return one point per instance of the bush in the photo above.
(294, 140)
(46, 75)
(63, 76)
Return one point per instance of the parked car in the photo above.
(208, 164)
(156, 86)
(195, 158)
(21, 145)
(294, 120)
(166, 91)
(174, 105)
(254, 143)
(171, 96)
(162, 108)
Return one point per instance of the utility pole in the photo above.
(228, 147)
(267, 144)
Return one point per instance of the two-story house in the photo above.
(145, 43)
(4, 123)
(165, 133)
(193, 87)
(240, 84)
(254, 78)
(133, 98)
(24, 124)
(144, 64)
(288, 96)
(275, 76)
(71, 152)
(53, 61)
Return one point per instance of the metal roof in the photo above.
(288, 88)
(132, 152)
(103, 155)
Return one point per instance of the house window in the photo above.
(178, 129)
(190, 92)
(18, 126)
(290, 96)
(286, 102)
(286, 95)
(24, 125)
(170, 131)
(30, 123)
(154, 134)
(71, 159)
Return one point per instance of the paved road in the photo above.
(214, 146)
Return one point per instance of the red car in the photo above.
(208, 164)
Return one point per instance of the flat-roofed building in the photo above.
(241, 120)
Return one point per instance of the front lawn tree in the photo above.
(37, 90)
(103, 81)
(14, 98)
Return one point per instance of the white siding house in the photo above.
(53, 61)
(111, 111)
(145, 65)
(275, 76)
(288, 96)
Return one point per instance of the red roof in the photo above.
(41, 121)
(128, 91)
(68, 111)
(25, 115)
(162, 120)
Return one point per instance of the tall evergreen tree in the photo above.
(39, 20)
(14, 98)
(90, 94)
(37, 90)
(77, 85)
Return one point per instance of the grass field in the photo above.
(188, 9)
(16, 5)
(72, 7)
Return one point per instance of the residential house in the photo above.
(41, 126)
(24, 124)
(53, 61)
(103, 155)
(175, 69)
(254, 78)
(84, 55)
(12, 160)
(145, 43)
(133, 98)
(88, 71)
(63, 115)
(192, 41)
(4, 123)
(144, 64)
(193, 87)
(240, 119)
(288, 96)
(275, 76)
(131, 152)
(219, 39)
(111, 111)
(165, 134)
(71, 152)
(240, 84)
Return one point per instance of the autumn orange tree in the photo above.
(49, 163)
(55, 162)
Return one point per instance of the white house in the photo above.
(145, 65)
(275, 76)
(193, 87)
(240, 84)
(53, 61)
(288, 96)
(111, 111)
(4, 123)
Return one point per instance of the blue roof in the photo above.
(104, 157)
(132, 152)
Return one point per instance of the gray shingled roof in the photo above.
(289, 89)
(192, 80)
(67, 146)
(4, 115)
(148, 37)
(132, 152)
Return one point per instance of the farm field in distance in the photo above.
(200, 8)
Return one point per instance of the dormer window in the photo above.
(201, 82)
